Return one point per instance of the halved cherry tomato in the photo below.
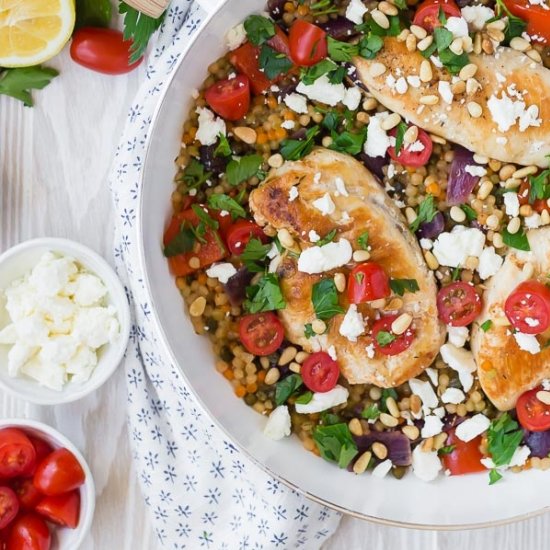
(17, 454)
(308, 43)
(240, 233)
(62, 510)
(212, 250)
(29, 532)
(458, 304)
(538, 205)
(59, 473)
(261, 333)
(102, 50)
(42, 448)
(408, 155)
(533, 414)
(427, 14)
(279, 42)
(245, 60)
(368, 282)
(27, 494)
(320, 372)
(400, 342)
(465, 457)
(528, 307)
(230, 98)
(537, 17)
(9, 506)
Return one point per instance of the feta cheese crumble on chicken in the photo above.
(319, 259)
(489, 263)
(353, 325)
(278, 424)
(462, 361)
(325, 204)
(507, 111)
(527, 342)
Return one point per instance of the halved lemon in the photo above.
(33, 31)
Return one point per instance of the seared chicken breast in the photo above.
(285, 201)
(505, 370)
(501, 128)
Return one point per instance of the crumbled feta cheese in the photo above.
(278, 424)
(477, 16)
(444, 89)
(288, 124)
(545, 384)
(416, 147)
(426, 244)
(223, 272)
(323, 401)
(453, 395)
(458, 336)
(332, 352)
(425, 391)
(506, 112)
(51, 274)
(352, 99)
(323, 91)
(458, 26)
(520, 456)
(95, 326)
(377, 141)
(353, 324)
(296, 102)
(314, 236)
(432, 426)
(414, 81)
(355, 11)
(235, 37)
(475, 170)
(426, 465)
(432, 375)
(318, 259)
(533, 221)
(382, 469)
(371, 351)
(462, 361)
(472, 427)
(293, 193)
(529, 321)
(325, 204)
(452, 249)
(210, 127)
(511, 203)
(489, 262)
(340, 187)
(527, 342)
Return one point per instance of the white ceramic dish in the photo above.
(63, 539)
(19, 261)
(448, 503)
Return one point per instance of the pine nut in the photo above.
(301, 356)
(438, 139)
(467, 43)
(377, 69)
(387, 8)
(380, 450)
(429, 100)
(474, 109)
(499, 25)
(487, 46)
(471, 263)
(402, 36)
(510, 183)
(472, 86)
(285, 238)
(525, 210)
(459, 87)
(318, 326)
(492, 222)
(519, 44)
(514, 225)
(477, 43)
(380, 19)
(411, 135)
(390, 122)
(392, 407)
(394, 304)
(340, 282)
(412, 432)
(272, 376)
(287, 355)
(194, 262)
(355, 427)
(498, 241)
(528, 270)
(410, 214)
(425, 43)
(410, 43)
(370, 103)
(388, 420)
(431, 260)
(427, 445)
(506, 172)
(426, 73)
(440, 440)
(402, 323)
(480, 159)
(362, 463)
(468, 71)
(275, 161)
(419, 32)
(196, 309)
(295, 367)
(544, 397)
(457, 214)
(361, 256)
(485, 189)
(378, 304)
(456, 46)
(534, 55)
(545, 217)
(495, 34)
(524, 172)
(246, 134)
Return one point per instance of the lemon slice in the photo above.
(33, 31)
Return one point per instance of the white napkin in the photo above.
(200, 490)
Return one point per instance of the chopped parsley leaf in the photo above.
(265, 295)
(335, 443)
(400, 286)
(426, 213)
(324, 297)
(385, 338)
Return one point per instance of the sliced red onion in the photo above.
(431, 230)
(235, 288)
(461, 183)
(339, 28)
(539, 443)
(276, 8)
(374, 164)
(210, 161)
(398, 445)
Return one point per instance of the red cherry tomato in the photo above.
(261, 333)
(320, 372)
(400, 342)
(230, 98)
(245, 60)
(538, 205)
(408, 155)
(27, 494)
(533, 414)
(9, 506)
(458, 304)
(59, 473)
(528, 307)
(62, 510)
(368, 282)
(308, 43)
(102, 50)
(537, 17)
(29, 532)
(42, 448)
(465, 457)
(17, 454)
(240, 233)
(427, 14)
(212, 250)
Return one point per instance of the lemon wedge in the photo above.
(33, 31)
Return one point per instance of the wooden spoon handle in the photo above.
(154, 8)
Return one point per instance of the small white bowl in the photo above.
(18, 262)
(63, 538)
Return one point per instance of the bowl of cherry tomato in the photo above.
(47, 493)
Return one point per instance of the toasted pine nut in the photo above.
(390, 122)
(362, 463)
(392, 407)
(415, 403)
(431, 260)
(380, 450)
(301, 356)
(272, 376)
(498, 241)
(524, 172)
(380, 18)
(499, 24)
(459, 87)
(429, 100)
(295, 367)
(287, 355)
(410, 214)
(275, 161)
(387, 8)
(246, 134)
(412, 432)
(340, 282)
(474, 109)
(388, 420)
(318, 326)
(378, 304)
(411, 135)
(544, 397)
(410, 42)
(514, 225)
(402, 323)
(355, 427)
(426, 73)
(285, 238)
(456, 46)
(425, 43)
(370, 103)
(419, 32)
(196, 309)
(492, 222)
(495, 34)
(457, 214)
(519, 44)
(468, 71)
(377, 69)
(361, 255)
(472, 86)
(534, 55)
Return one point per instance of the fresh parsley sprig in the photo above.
(18, 83)
(443, 38)
(265, 295)
(426, 213)
(324, 297)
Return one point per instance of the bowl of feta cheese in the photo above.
(64, 321)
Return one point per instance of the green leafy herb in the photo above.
(443, 38)
(305, 398)
(426, 213)
(329, 419)
(503, 436)
(514, 25)
(539, 186)
(205, 223)
(442, 17)
(456, 274)
(370, 45)
(93, 13)
(332, 120)
(243, 169)
(388, 392)
(195, 175)
(259, 29)
(447, 450)
(183, 242)
(494, 476)
(372, 27)
(324, 297)
(401, 129)
(138, 28)
(363, 240)
(309, 75)
(485, 326)
(295, 149)
(328, 238)
(517, 240)
(347, 142)
(308, 331)
(341, 51)
(273, 63)
(401, 4)
(385, 338)
(372, 412)
(335, 443)
(337, 76)
(223, 149)
(400, 286)
(471, 214)
(224, 202)
(323, 7)
(18, 83)
(286, 387)
(255, 252)
(265, 295)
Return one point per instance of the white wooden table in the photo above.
(54, 162)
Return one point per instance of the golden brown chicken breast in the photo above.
(329, 191)
(506, 115)
(505, 370)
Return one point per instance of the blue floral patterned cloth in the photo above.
(200, 490)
